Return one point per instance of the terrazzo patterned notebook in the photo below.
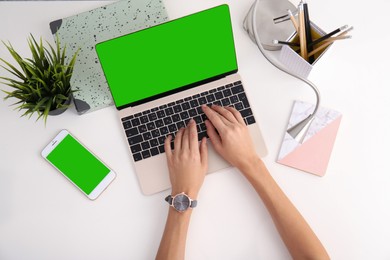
(83, 31)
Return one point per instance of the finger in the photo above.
(225, 113)
(236, 114)
(193, 136)
(203, 151)
(185, 143)
(214, 137)
(178, 140)
(214, 117)
(167, 147)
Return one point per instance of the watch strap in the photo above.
(169, 199)
(193, 203)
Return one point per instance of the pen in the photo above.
(346, 31)
(286, 43)
(327, 36)
(282, 18)
(308, 31)
(328, 42)
(340, 37)
(302, 34)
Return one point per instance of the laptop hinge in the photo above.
(173, 91)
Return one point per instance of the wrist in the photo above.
(181, 202)
(180, 215)
(249, 163)
(252, 166)
(193, 194)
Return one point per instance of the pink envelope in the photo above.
(313, 154)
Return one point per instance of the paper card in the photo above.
(313, 154)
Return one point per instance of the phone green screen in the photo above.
(78, 164)
(168, 56)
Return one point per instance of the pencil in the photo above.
(292, 18)
(346, 31)
(302, 34)
(323, 46)
(328, 42)
(327, 36)
(308, 31)
(332, 39)
(341, 37)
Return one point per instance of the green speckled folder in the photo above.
(85, 30)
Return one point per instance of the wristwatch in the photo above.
(181, 202)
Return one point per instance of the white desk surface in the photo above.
(43, 217)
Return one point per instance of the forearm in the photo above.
(173, 242)
(297, 235)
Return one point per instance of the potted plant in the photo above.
(42, 84)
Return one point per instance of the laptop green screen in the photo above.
(168, 56)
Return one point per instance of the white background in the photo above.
(42, 216)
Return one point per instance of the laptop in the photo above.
(159, 77)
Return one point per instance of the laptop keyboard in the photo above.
(146, 131)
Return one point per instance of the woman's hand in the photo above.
(187, 163)
(233, 141)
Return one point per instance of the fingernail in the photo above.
(191, 121)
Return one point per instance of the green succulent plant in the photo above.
(42, 83)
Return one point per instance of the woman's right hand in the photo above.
(233, 141)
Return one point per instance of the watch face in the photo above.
(181, 202)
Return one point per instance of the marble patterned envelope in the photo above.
(313, 153)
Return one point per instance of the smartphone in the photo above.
(79, 165)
